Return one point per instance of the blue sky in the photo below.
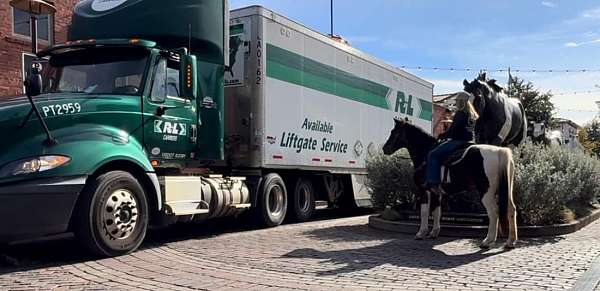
(531, 34)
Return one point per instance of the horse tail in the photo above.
(524, 126)
(505, 186)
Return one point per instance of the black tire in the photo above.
(112, 215)
(302, 201)
(272, 201)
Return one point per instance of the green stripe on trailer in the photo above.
(293, 68)
(426, 109)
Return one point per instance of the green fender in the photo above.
(90, 147)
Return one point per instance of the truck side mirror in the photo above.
(33, 82)
(188, 76)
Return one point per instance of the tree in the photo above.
(538, 107)
(589, 137)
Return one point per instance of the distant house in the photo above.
(568, 132)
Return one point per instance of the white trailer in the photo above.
(303, 105)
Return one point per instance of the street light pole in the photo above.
(34, 42)
(331, 16)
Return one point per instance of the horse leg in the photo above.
(435, 231)
(424, 217)
(491, 207)
(437, 215)
(512, 211)
(512, 226)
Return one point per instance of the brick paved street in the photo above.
(336, 254)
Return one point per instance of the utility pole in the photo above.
(331, 16)
(509, 79)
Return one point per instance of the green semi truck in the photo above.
(156, 112)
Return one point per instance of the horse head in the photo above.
(397, 139)
(481, 92)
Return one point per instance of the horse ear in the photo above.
(465, 83)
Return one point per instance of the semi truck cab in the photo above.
(110, 124)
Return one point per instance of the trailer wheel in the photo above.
(303, 200)
(272, 200)
(112, 216)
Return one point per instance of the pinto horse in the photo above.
(502, 120)
(485, 168)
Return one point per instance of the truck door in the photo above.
(169, 119)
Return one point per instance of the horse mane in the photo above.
(419, 135)
(491, 83)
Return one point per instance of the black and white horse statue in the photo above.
(502, 120)
(487, 169)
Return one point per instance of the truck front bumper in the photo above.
(38, 207)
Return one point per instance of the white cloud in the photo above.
(549, 4)
(586, 17)
(444, 86)
(592, 13)
(574, 44)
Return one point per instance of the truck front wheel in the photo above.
(272, 200)
(112, 216)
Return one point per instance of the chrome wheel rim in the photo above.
(119, 215)
(275, 201)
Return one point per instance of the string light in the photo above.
(422, 68)
(575, 93)
(577, 110)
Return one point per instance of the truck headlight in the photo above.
(33, 165)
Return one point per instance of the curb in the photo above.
(590, 279)
(481, 230)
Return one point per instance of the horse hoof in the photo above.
(432, 236)
(484, 246)
(509, 246)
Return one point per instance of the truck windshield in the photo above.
(118, 71)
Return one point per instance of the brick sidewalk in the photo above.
(341, 254)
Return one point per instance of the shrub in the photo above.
(547, 179)
(390, 180)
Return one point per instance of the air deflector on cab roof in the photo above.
(166, 22)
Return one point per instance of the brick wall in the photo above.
(12, 47)
(441, 119)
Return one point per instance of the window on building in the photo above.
(22, 25)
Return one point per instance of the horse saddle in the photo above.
(453, 159)
(456, 156)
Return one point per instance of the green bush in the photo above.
(548, 180)
(391, 180)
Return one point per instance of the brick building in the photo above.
(443, 106)
(15, 40)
